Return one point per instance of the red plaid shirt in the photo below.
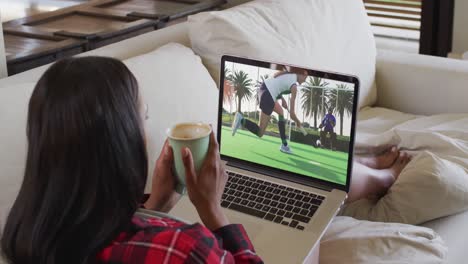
(164, 240)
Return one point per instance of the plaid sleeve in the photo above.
(162, 240)
(229, 244)
(234, 239)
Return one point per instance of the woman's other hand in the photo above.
(163, 195)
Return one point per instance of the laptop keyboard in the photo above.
(277, 203)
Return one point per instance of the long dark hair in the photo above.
(86, 165)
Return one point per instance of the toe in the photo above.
(410, 157)
(401, 158)
(406, 158)
(393, 153)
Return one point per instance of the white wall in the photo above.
(460, 27)
(3, 67)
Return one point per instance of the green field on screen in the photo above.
(306, 160)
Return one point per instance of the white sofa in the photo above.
(406, 83)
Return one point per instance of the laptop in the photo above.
(286, 134)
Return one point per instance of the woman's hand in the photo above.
(206, 188)
(163, 195)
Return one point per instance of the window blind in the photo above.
(395, 18)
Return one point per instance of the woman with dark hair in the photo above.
(85, 174)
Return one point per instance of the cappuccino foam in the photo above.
(189, 131)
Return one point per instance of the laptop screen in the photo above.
(288, 119)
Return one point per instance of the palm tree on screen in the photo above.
(242, 87)
(314, 98)
(341, 101)
(228, 90)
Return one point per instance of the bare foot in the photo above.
(381, 161)
(399, 165)
(373, 183)
(387, 177)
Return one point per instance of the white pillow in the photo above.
(428, 188)
(332, 35)
(354, 242)
(14, 102)
(177, 88)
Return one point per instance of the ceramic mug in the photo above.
(196, 137)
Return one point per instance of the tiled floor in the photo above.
(13, 9)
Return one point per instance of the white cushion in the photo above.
(14, 102)
(453, 230)
(354, 242)
(431, 186)
(177, 88)
(421, 84)
(332, 35)
(435, 183)
(379, 126)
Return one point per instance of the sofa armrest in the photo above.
(422, 85)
